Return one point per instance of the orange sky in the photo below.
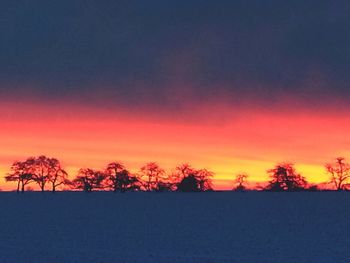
(225, 140)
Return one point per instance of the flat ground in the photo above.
(175, 227)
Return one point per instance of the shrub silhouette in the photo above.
(240, 182)
(188, 184)
(202, 176)
(285, 178)
(120, 179)
(89, 180)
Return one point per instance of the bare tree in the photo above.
(56, 174)
(204, 178)
(41, 171)
(21, 172)
(48, 170)
(120, 179)
(89, 180)
(151, 175)
(240, 182)
(285, 178)
(339, 173)
(183, 171)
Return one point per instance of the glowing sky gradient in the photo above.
(231, 86)
(244, 140)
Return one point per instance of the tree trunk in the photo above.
(42, 186)
(22, 190)
(115, 187)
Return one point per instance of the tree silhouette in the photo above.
(285, 178)
(188, 184)
(48, 170)
(21, 172)
(339, 173)
(151, 175)
(240, 182)
(181, 172)
(113, 171)
(89, 180)
(56, 174)
(120, 179)
(41, 171)
(204, 178)
(127, 182)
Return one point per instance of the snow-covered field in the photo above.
(175, 227)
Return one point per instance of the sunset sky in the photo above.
(231, 86)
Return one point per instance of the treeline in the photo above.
(48, 174)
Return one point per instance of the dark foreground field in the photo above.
(175, 227)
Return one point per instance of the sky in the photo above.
(231, 86)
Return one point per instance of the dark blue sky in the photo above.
(144, 52)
